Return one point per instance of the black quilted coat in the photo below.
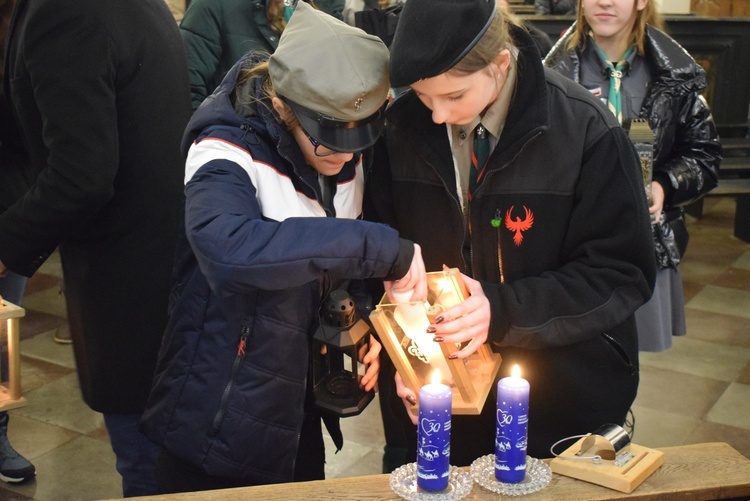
(687, 151)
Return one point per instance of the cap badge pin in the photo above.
(358, 103)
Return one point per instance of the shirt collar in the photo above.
(494, 117)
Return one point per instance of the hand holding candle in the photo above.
(412, 318)
(434, 435)
(512, 428)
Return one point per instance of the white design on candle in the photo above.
(503, 444)
(430, 426)
(429, 452)
(504, 418)
(521, 444)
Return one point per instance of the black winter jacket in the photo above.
(554, 7)
(102, 134)
(687, 150)
(562, 288)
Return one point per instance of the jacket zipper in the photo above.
(471, 247)
(324, 289)
(498, 223)
(219, 417)
(317, 191)
(461, 212)
(299, 428)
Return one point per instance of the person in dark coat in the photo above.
(661, 83)
(554, 7)
(217, 33)
(101, 107)
(13, 466)
(553, 236)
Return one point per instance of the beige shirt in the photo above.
(462, 136)
(177, 8)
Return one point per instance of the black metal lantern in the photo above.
(336, 368)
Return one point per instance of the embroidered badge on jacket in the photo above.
(518, 225)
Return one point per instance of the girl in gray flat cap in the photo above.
(552, 225)
(273, 193)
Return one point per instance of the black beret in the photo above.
(433, 35)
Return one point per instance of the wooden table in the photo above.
(689, 473)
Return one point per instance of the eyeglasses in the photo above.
(316, 145)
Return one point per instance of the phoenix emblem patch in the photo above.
(518, 225)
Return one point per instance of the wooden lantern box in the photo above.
(10, 395)
(402, 331)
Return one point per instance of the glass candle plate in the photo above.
(404, 483)
(538, 475)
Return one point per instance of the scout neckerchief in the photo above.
(614, 97)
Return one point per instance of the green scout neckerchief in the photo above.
(614, 98)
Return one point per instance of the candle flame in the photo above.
(516, 371)
(435, 379)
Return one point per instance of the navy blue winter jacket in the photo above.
(259, 253)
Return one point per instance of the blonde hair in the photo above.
(495, 40)
(245, 95)
(649, 15)
(275, 15)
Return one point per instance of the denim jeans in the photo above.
(136, 455)
(12, 287)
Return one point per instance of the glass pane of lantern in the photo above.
(403, 327)
(409, 321)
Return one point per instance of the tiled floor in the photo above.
(699, 391)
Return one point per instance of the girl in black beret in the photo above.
(550, 228)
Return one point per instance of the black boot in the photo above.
(13, 466)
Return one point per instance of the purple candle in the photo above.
(512, 428)
(434, 435)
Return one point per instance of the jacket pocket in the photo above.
(224, 402)
(620, 351)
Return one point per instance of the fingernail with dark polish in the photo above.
(437, 339)
(452, 357)
(431, 330)
(439, 319)
(411, 400)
